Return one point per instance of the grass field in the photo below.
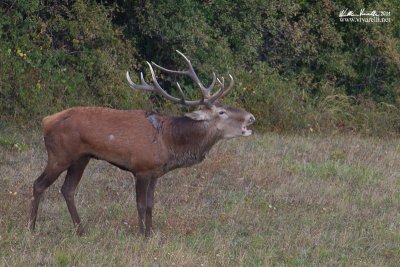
(267, 200)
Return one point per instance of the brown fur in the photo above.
(146, 144)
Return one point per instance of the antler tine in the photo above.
(158, 89)
(170, 71)
(144, 86)
(206, 91)
(230, 87)
(180, 91)
(222, 91)
(221, 83)
(184, 102)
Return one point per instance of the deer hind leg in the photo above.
(72, 179)
(47, 178)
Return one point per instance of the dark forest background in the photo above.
(297, 67)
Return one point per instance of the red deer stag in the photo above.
(146, 144)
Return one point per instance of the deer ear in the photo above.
(198, 115)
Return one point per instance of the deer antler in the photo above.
(207, 98)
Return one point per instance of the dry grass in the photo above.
(261, 201)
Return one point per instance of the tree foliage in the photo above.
(296, 64)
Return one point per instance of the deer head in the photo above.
(229, 122)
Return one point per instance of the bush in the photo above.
(60, 55)
(297, 67)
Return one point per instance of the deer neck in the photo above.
(189, 141)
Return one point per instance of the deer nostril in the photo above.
(252, 119)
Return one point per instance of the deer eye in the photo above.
(222, 112)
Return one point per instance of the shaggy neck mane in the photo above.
(189, 140)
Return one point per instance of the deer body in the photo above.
(140, 142)
(146, 144)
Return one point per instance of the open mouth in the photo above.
(245, 131)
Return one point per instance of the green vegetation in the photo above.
(297, 67)
(271, 200)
